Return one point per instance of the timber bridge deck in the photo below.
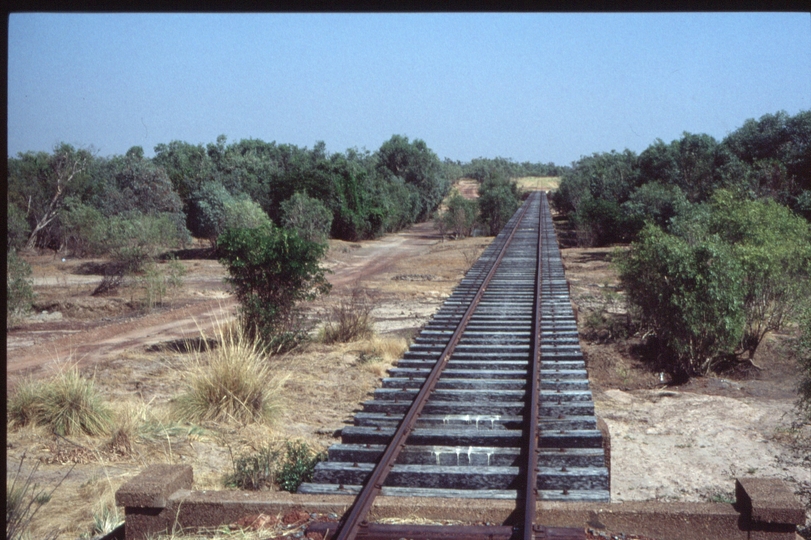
(491, 401)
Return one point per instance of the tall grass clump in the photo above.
(351, 319)
(229, 381)
(66, 404)
(378, 354)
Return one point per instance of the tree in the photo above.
(308, 217)
(609, 176)
(460, 216)
(207, 209)
(416, 165)
(601, 222)
(138, 184)
(656, 202)
(54, 179)
(271, 270)
(17, 230)
(19, 288)
(499, 198)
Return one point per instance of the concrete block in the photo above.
(153, 486)
(768, 500)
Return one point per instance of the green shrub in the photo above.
(19, 288)
(136, 239)
(731, 271)
(66, 404)
(688, 295)
(206, 215)
(132, 239)
(270, 466)
(271, 270)
(298, 466)
(601, 222)
(655, 202)
(244, 213)
(773, 247)
(84, 229)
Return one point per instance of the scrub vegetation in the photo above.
(720, 245)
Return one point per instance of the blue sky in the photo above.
(532, 87)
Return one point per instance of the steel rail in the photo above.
(349, 529)
(531, 484)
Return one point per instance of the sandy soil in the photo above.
(98, 328)
(688, 443)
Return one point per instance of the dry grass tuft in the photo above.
(350, 319)
(67, 404)
(378, 354)
(24, 499)
(231, 381)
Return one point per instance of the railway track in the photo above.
(491, 400)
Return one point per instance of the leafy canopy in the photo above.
(272, 269)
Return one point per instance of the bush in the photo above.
(270, 466)
(271, 269)
(499, 198)
(773, 247)
(136, 239)
(207, 209)
(601, 222)
(351, 319)
(66, 404)
(298, 466)
(244, 213)
(132, 239)
(731, 271)
(308, 217)
(460, 216)
(688, 295)
(229, 381)
(19, 288)
(655, 202)
(83, 228)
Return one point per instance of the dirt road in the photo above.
(36, 345)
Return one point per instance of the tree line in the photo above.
(720, 243)
(267, 208)
(610, 195)
(72, 199)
